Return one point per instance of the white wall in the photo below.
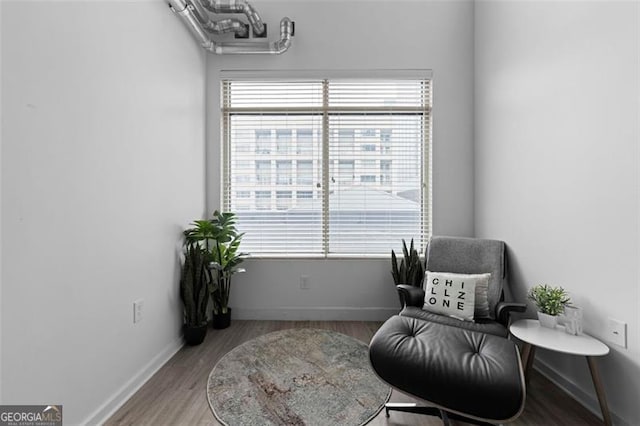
(356, 35)
(557, 165)
(102, 143)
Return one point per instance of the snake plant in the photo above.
(194, 290)
(411, 270)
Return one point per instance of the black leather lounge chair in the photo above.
(467, 370)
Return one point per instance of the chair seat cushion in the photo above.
(474, 374)
(482, 325)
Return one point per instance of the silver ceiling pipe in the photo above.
(237, 6)
(228, 26)
(189, 16)
(273, 48)
(218, 27)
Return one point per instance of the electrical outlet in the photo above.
(304, 282)
(617, 332)
(137, 310)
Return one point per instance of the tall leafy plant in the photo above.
(203, 233)
(220, 240)
(226, 259)
(410, 270)
(194, 283)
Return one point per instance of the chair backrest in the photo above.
(470, 256)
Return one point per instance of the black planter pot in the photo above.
(221, 321)
(194, 335)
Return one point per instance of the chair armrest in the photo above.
(504, 309)
(411, 295)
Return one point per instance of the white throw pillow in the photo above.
(453, 295)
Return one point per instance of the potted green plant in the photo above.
(410, 271)
(226, 260)
(194, 293)
(550, 302)
(221, 241)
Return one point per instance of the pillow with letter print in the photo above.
(453, 295)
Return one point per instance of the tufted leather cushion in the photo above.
(474, 374)
(481, 325)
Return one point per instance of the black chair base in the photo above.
(410, 407)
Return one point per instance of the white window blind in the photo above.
(327, 167)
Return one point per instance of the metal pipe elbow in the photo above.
(286, 31)
(227, 26)
(253, 17)
(236, 6)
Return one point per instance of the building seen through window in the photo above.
(372, 194)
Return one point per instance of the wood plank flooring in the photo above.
(176, 394)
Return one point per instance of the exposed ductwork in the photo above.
(237, 6)
(219, 27)
(197, 19)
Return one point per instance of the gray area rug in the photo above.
(296, 377)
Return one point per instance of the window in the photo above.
(283, 141)
(385, 139)
(346, 138)
(242, 178)
(263, 200)
(263, 142)
(283, 200)
(283, 172)
(263, 172)
(304, 141)
(342, 167)
(244, 200)
(304, 172)
(385, 171)
(304, 194)
(346, 170)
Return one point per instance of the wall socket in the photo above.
(617, 332)
(137, 310)
(304, 282)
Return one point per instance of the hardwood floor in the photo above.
(176, 394)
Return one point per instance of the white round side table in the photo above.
(534, 335)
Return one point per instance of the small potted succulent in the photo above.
(550, 302)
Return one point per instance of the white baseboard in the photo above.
(585, 399)
(315, 314)
(122, 395)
